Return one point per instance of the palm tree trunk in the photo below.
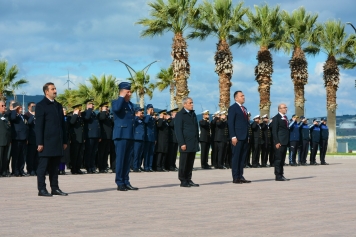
(299, 74)
(171, 91)
(223, 67)
(142, 100)
(263, 73)
(181, 67)
(331, 82)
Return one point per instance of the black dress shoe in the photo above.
(164, 170)
(194, 169)
(324, 163)
(222, 167)
(59, 192)
(237, 181)
(44, 193)
(33, 173)
(121, 188)
(151, 170)
(245, 181)
(80, 172)
(185, 185)
(193, 184)
(129, 187)
(247, 167)
(176, 169)
(305, 164)
(282, 179)
(136, 171)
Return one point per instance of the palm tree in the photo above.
(348, 61)
(166, 79)
(218, 19)
(263, 29)
(7, 80)
(174, 16)
(140, 84)
(101, 90)
(298, 28)
(331, 38)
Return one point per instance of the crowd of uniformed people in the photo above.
(92, 150)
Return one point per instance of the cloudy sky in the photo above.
(48, 38)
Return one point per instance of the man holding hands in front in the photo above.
(238, 124)
(280, 131)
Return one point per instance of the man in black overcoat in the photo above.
(5, 139)
(32, 153)
(51, 140)
(187, 132)
(204, 139)
(280, 131)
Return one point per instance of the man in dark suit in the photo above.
(123, 135)
(92, 136)
(19, 129)
(280, 134)
(106, 137)
(5, 139)
(162, 141)
(238, 131)
(221, 140)
(187, 132)
(204, 140)
(77, 139)
(51, 140)
(32, 153)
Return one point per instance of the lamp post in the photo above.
(23, 102)
(133, 72)
(349, 23)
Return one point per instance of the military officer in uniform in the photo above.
(19, 129)
(76, 130)
(249, 144)
(204, 140)
(257, 141)
(123, 135)
(5, 139)
(294, 132)
(172, 143)
(315, 141)
(213, 157)
(266, 146)
(305, 139)
(105, 137)
(162, 141)
(150, 139)
(92, 136)
(32, 153)
(139, 137)
(324, 137)
(220, 140)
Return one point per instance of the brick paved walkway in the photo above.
(318, 201)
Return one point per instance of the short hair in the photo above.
(236, 92)
(185, 100)
(45, 87)
(29, 103)
(3, 101)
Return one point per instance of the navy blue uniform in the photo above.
(139, 137)
(324, 137)
(315, 141)
(19, 129)
(106, 128)
(305, 139)
(124, 121)
(150, 139)
(294, 138)
(92, 136)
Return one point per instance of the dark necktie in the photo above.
(244, 111)
(285, 117)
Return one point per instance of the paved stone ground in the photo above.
(318, 201)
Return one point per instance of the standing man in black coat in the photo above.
(5, 139)
(280, 131)
(51, 140)
(187, 132)
(32, 153)
(238, 131)
(204, 140)
(162, 140)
